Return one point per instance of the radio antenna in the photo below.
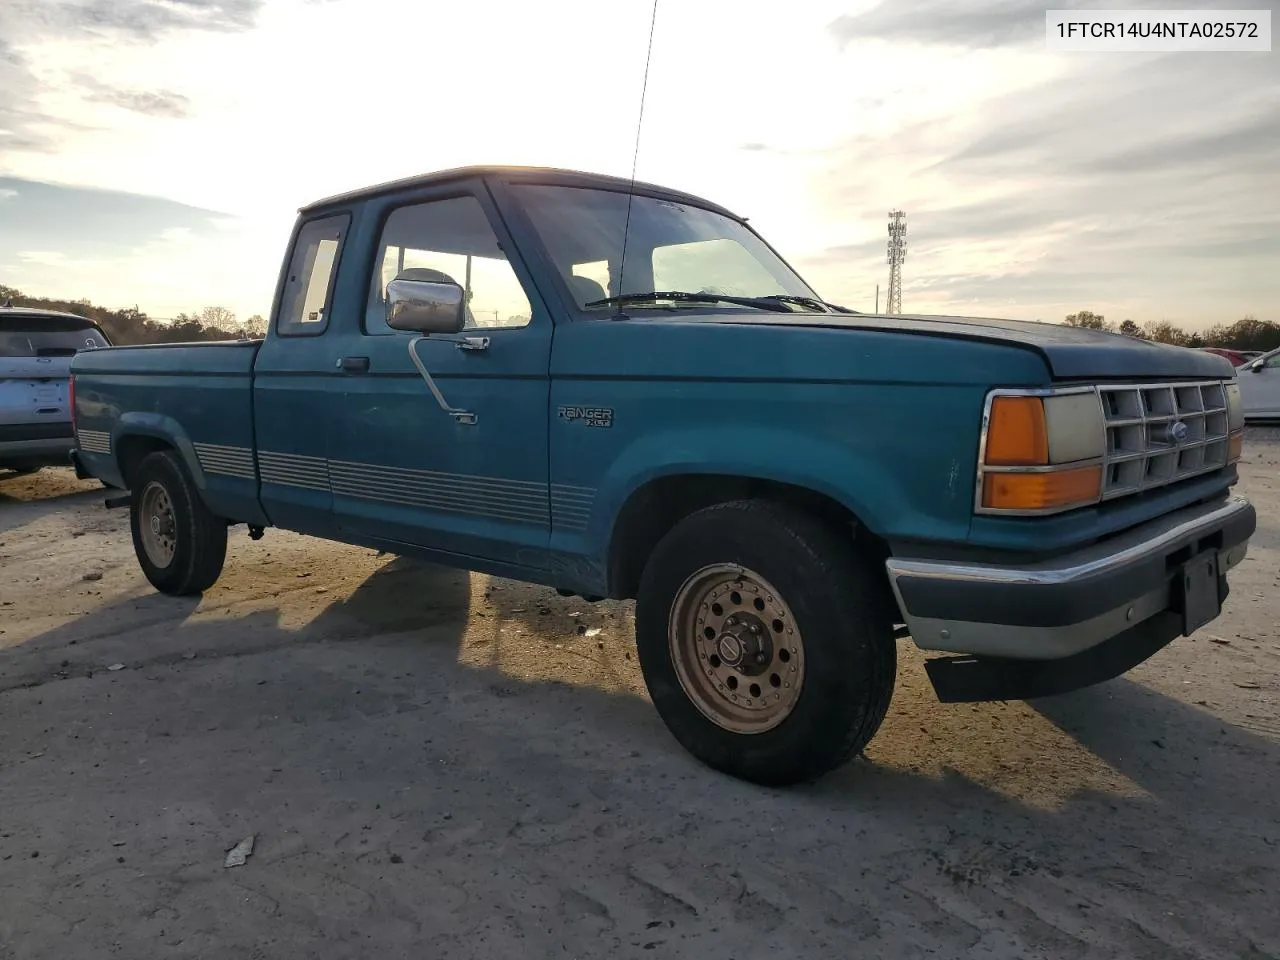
(635, 156)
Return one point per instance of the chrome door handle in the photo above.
(472, 343)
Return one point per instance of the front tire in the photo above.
(180, 544)
(766, 642)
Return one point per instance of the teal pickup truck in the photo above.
(619, 390)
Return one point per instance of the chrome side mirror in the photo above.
(1257, 366)
(425, 306)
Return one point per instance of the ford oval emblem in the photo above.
(1178, 431)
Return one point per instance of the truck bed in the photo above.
(172, 392)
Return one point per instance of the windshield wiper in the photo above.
(769, 302)
(683, 296)
(808, 302)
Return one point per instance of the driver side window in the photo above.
(451, 237)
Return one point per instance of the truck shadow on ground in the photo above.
(149, 628)
(417, 615)
(1182, 755)
(357, 736)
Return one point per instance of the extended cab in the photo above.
(619, 390)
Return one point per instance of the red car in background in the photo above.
(1238, 358)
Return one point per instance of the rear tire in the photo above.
(180, 544)
(766, 642)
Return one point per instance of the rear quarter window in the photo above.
(313, 267)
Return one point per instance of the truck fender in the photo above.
(138, 423)
(840, 472)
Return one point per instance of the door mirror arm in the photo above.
(466, 417)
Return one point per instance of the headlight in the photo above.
(1041, 453)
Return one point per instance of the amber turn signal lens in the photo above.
(1016, 434)
(1041, 491)
(1235, 446)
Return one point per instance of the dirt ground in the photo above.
(436, 764)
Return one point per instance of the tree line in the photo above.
(1247, 333)
(129, 325)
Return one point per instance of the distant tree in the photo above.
(1088, 320)
(219, 318)
(184, 328)
(254, 327)
(1247, 333)
(129, 325)
(1162, 331)
(1131, 329)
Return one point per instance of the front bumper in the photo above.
(1062, 608)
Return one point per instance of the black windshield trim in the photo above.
(682, 296)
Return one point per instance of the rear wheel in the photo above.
(179, 543)
(766, 642)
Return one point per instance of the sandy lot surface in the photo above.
(435, 764)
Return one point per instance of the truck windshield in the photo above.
(670, 247)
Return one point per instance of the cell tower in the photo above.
(897, 252)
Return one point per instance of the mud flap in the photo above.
(78, 466)
(981, 679)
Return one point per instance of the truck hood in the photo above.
(1069, 352)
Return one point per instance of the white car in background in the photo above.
(36, 347)
(1259, 381)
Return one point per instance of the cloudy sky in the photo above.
(154, 152)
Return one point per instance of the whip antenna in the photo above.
(635, 156)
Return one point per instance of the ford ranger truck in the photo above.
(619, 390)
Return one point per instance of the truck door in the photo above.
(296, 386)
(443, 442)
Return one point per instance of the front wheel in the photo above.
(766, 642)
(179, 543)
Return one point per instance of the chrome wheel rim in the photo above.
(156, 525)
(736, 648)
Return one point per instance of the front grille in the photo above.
(1162, 433)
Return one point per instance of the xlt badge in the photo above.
(591, 416)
